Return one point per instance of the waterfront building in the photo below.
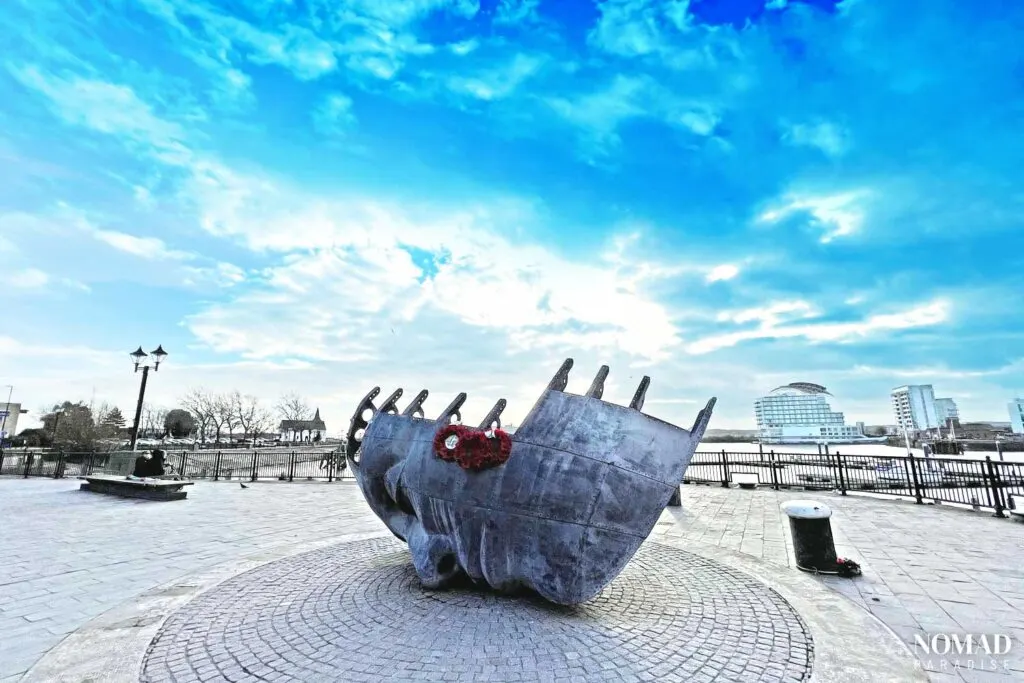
(914, 407)
(1017, 415)
(946, 410)
(800, 413)
(9, 413)
(306, 431)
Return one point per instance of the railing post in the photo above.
(58, 471)
(291, 466)
(330, 467)
(915, 481)
(28, 463)
(255, 464)
(182, 462)
(842, 476)
(997, 491)
(771, 464)
(725, 470)
(216, 468)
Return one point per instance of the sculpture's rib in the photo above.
(561, 378)
(597, 387)
(355, 424)
(701, 423)
(494, 415)
(453, 409)
(391, 404)
(416, 407)
(641, 393)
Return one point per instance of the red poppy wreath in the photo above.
(472, 449)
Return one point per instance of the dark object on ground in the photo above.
(847, 568)
(151, 466)
(583, 486)
(242, 485)
(150, 489)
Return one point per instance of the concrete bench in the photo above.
(147, 489)
(1015, 506)
(745, 480)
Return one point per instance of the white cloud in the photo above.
(771, 325)
(837, 215)
(498, 82)
(106, 108)
(725, 271)
(630, 28)
(479, 280)
(822, 135)
(151, 248)
(464, 47)
(27, 278)
(600, 113)
(334, 116)
(516, 11)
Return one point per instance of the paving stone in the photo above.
(367, 595)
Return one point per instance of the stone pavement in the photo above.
(66, 557)
(928, 569)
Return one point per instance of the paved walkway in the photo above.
(66, 557)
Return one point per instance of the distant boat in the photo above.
(895, 472)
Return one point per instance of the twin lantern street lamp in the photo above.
(142, 360)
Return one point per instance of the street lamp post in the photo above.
(139, 357)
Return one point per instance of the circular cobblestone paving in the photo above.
(356, 612)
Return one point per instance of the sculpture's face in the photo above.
(585, 484)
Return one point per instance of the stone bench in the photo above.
(147, 489)
(1015, 506)
(745, 480)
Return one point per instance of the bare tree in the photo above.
(152, 420)
(202, 406)
(250, 416)
(262, 422)
(293, 407)
(225, 408)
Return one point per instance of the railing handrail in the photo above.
(957, 480)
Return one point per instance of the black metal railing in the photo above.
(979, 483)
(231, 464)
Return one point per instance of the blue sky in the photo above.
(324, 195)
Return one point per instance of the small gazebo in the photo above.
(304, 431)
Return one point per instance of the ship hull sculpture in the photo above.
(559, 508)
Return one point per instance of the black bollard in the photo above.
(810, 523)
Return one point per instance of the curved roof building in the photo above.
(799, 412)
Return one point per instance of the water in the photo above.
(874, 449)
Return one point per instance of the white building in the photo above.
(945, 409)
(800, 413)
(914, 407)
(1017, 415)
(9, 413)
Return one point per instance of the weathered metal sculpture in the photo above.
(560, 513)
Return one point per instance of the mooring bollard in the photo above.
(812, 535)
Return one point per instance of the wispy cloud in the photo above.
(28, 278)
(334, 116)
(151, 248)
(772, 326)
(835, 215)
(822, 135)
